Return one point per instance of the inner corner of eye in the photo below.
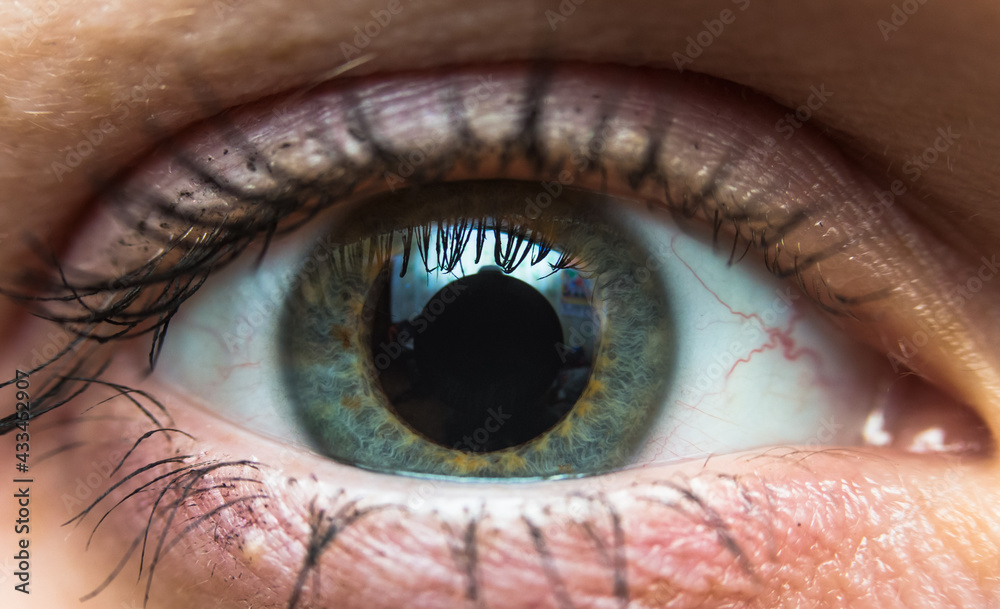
(443, 331)
(917, 417)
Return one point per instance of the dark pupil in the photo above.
(483, 367)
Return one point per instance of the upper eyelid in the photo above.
(237, 180)
(808, 160)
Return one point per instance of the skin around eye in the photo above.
(311, 529)
(887, 94)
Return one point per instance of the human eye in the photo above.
(187, 485)
(919, 529)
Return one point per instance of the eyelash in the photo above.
(143, 300)
(160, 292)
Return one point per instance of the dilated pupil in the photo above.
(478, 369)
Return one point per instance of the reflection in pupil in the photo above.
(482, 364)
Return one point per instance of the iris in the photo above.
(462, 338)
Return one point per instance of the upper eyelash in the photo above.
(144, 299)
(454, 238)
(219, 245)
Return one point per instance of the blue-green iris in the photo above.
(332, 370)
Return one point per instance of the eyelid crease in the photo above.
(682, 143)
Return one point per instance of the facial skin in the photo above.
(63, 67)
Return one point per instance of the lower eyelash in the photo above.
(235, 495)
(100, 311)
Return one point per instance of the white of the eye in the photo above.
(757, 363)
(223, 351)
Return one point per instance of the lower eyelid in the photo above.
(786, 526)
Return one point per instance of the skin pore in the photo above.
(64, 68)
